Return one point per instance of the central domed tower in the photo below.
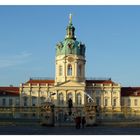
(70, 57)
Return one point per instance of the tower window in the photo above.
(79, 70)
(69, 70)
(60, 70)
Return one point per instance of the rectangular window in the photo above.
(60, 71)
(136, 102)
(17, 101)
(25, 101)
(34, 101)
(3, 101)
(122, 102)
(10, 102)
(129, 102)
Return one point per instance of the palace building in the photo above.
(70, 83)
(71, 93)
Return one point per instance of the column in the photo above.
(65, 98)
(83, 98)
(75, 71)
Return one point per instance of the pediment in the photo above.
(71, 84)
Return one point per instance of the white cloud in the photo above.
(13, 60)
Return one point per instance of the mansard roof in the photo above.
(9, 91)
(106, 81)
(40, 81)
(130, 91)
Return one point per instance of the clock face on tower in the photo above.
(70, 59)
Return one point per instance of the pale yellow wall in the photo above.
(132, 105)
(63, 61)
(29, 91)
(65, 93)
(106, 92)
(38, 91)
(103, 91)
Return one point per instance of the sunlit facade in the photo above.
(70, 83)
(106, 96)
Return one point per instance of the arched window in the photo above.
(135, 102)
(106, 102)
(69, 100)
(60, 70)
(60, 99)
(79, 101)
(69, 96)
(79, 70)
(69, 70)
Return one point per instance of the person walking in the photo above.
(79, 122)
(76, 122)
(83, 122)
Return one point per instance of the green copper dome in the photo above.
(70, 45)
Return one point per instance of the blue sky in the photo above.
(28, 35)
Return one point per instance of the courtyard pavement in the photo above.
(95, 130)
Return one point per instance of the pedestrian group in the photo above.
(79, 121)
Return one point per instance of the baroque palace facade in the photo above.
(102, 95)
